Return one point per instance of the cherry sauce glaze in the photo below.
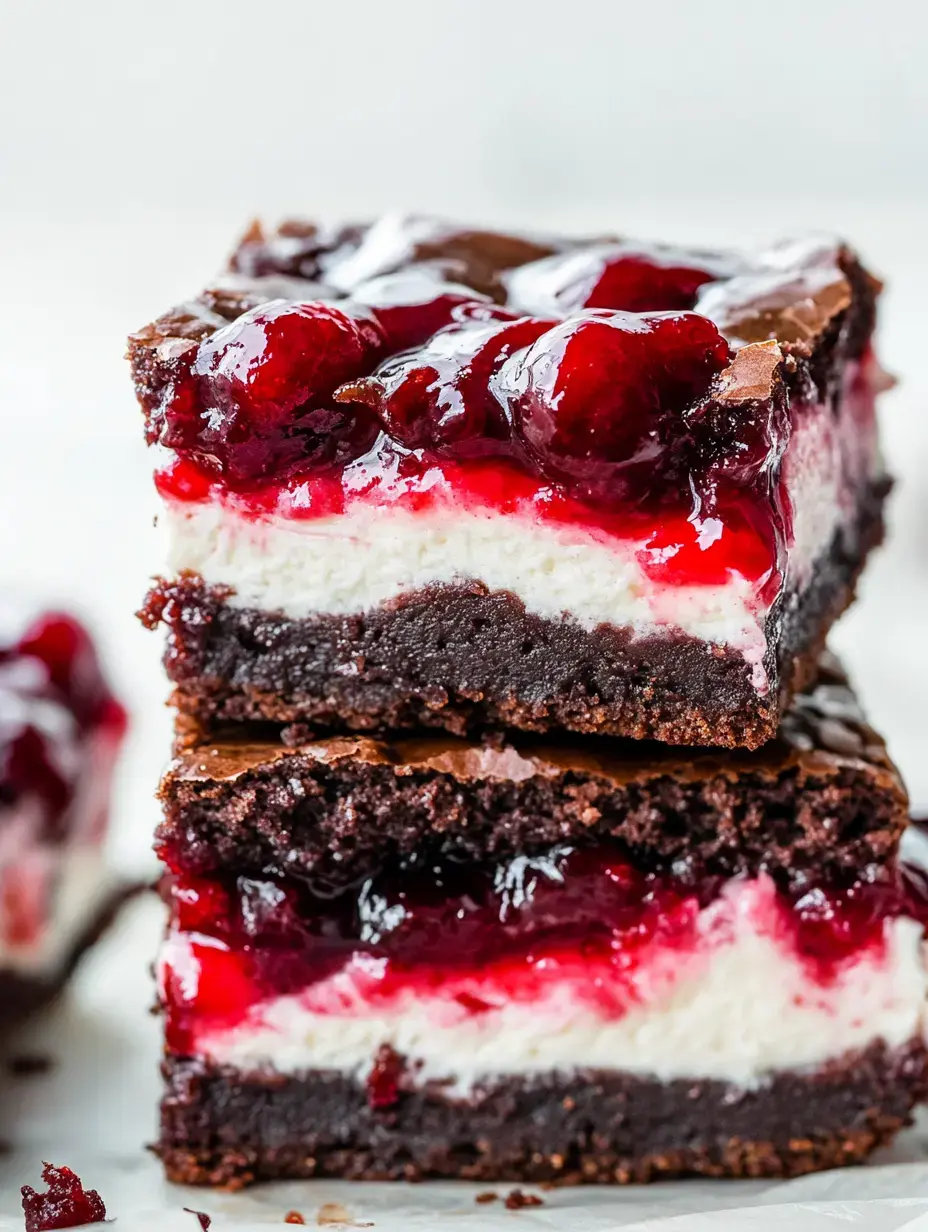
(583, 912)
(407, 361)
(53, 699)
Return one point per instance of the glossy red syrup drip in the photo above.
(515, 924)
(65, 1203)
(52, 696)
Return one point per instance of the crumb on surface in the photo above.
(487, 1196)
(26, 1064)
(516, 1200)
(65, 1203)
(334, 1213)
(204, 1219)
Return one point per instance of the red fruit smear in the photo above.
(65, 1204)
(383, 1081)
(255, 399)
(203, 1219)
(512, 925)
(53, 697)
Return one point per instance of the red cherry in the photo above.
(628, 277)
(65, 1204)
(413, 304)
(200, 905)
(442, 397)
(599, 399)
(256, 398)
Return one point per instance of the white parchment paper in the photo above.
(94, 1111)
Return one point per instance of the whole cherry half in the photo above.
(598, 401)
(255, 399)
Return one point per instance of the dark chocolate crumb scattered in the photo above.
(516, 1200)
(487, 1196)
(26, 1064)
(204, 1219)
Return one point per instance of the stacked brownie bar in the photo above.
(520, 827)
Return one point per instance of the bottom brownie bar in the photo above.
(566, 1015)
(220, 1126)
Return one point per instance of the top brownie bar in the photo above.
(419, 476)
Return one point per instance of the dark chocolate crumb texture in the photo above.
(822, 795)
(422, 476)
(226, 1128)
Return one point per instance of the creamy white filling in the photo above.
(370, 554)
(742, 1005)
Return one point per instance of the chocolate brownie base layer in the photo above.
(462, 658)
(221, 1127)
(822, 795)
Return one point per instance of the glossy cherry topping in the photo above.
(52, 694)
(412, 305)
(255, 400)
(65, 1204)
(625, 276)
(340, 357)
(598, 400)
(441, 398)
(566, 908)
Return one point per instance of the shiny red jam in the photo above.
(584, 913)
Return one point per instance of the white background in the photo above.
(138, 138)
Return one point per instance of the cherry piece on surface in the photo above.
(65, 1204)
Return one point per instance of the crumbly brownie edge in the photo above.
(343, 821)
(224, 1128)
(461, 658)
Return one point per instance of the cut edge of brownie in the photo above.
(222, 1127)
(823, 795)
(430, 660)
